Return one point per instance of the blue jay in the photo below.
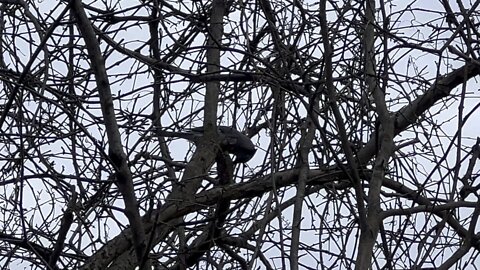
(231, 140)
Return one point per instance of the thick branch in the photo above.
(409, 114)
(115, 152)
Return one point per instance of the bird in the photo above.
(231, 140)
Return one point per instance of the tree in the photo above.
(363, 113)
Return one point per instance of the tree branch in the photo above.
(116, 154)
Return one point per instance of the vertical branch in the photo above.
(215, 32)
(157, 89)
(368, 235)
(205, 154)
(116, 154)
(305, 145)
(354, 176)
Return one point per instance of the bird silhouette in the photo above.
(231, 140)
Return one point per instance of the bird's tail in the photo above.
(184, 135)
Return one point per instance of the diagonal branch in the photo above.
(410, 114)
(116, 154)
